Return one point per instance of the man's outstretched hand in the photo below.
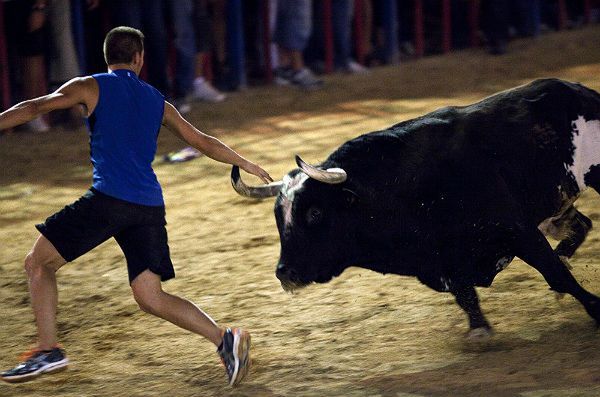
(254, 169)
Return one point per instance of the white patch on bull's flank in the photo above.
(291, 186)
(586, 140)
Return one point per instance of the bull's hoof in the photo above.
(593, 309)
(481, 334)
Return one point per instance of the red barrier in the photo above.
(419, 35)
(266, 40)
(328, 35)
(358, 31)
(5, 80)
(562, 15)
(446, 26)
(587, 10)
(207, 67)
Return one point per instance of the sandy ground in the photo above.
(363, 334)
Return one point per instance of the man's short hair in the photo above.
(121, 44)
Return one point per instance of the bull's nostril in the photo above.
(286, 273)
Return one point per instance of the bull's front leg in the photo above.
(533, 248)
(579, 225)
(467, 299)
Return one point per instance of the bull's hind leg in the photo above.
(533, 248)
(467, 299)
(578, 225)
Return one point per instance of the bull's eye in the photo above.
(314, 216)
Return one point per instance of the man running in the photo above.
(125, 201)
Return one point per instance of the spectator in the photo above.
(26, 29)
(342, 18)
(181, 14)
(292, 31)
(342, 12)
(62, 56)
(205, 40)
(149, 17)
(495, 22)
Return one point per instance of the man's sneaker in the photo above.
(235, 354)
(304, 78)
(204, 91)
(36, 363)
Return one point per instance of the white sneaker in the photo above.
(356, 68)
(38, 125)
(306, 79)
(204, 91)
(182, 105)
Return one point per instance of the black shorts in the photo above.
(94, 218)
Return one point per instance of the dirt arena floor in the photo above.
(363, 334)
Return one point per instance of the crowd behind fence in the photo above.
(200, 49)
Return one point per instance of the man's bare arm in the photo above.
(209, 145)
(80, 90)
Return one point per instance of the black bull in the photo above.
(450, 197)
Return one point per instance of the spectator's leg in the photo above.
(153, 19)
(203, 89)
(294, 25)
(496, 24)
(185, 45)
(342, 31)
(63, 58)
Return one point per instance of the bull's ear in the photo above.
(350, 197)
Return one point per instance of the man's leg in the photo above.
(41, 265)
(148, 293)
(233, 344)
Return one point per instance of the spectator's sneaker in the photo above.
(235, 354)
(38, 125)
(36, 363)
(182, 105)
(355, 68)
(304, 78)
(204, 91)
(283, 75)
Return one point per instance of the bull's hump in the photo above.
(586, 141)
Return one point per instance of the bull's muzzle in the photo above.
(290, 281)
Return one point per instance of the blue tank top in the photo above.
(123, 132)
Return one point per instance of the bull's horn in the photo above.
(263, 191)
(331, 176)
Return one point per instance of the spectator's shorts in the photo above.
(95, 217)
(294, 24)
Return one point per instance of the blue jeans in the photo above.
(182, 17)
(294, 24)
(341, 20)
